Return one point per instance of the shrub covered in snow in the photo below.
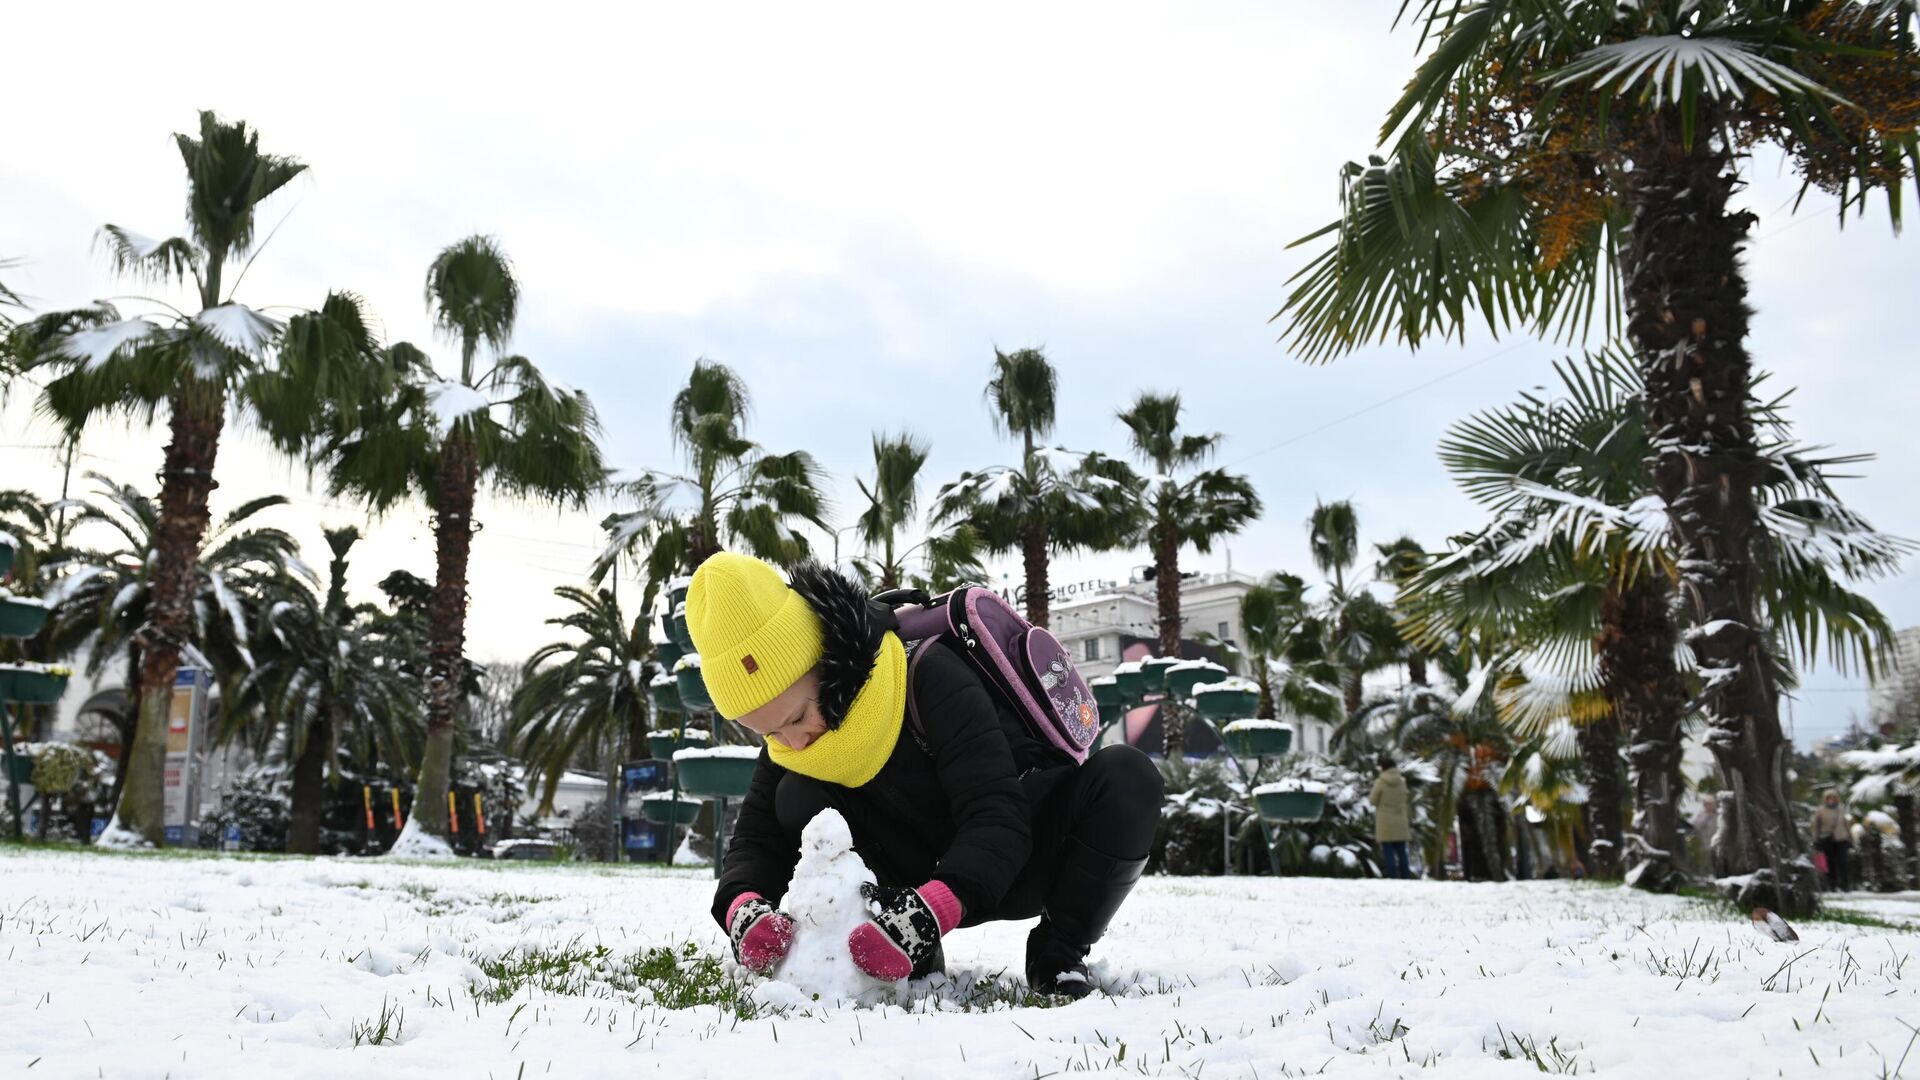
(259, 801)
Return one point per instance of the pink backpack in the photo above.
(1024, 664)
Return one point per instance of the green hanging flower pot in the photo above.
(723, 772)
(1291, 800)
(32, 684)
(1258, 738)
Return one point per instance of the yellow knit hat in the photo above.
(754, 634)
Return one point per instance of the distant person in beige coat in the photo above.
(1392, 818)
(1833, 838)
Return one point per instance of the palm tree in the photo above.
(196, 365)
(1360, 632)
(499, 422)
(1188, 505)
(584, 692)
(731, 490)
(1552, 160)
(1270, 613)
(1054, 500)
(325, 674)
(102, 595)
(1574, 580)
(947, 558)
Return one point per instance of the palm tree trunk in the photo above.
(1166, 586)
(196, 415)
(1263, 678)
(1687, 319)
(309, 792)
(1416, 667)
(1600, 755)
(1649, 699)
(446, 632)
(1166, 589)
(1033, 553)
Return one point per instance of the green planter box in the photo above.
(1227, 704)
(712, 774)
(680, 635)
(1258, 741)
(1132, 682)
(693, 689)
(661, 811)
(1182, 680)
(6, 558)
(664, 744)
(19, 769)
(21, 618)
(1153, 673)
(1298, 805)
(665, 695)
(1106, 692)
(668, 652)
(677, 591)
(31, 687)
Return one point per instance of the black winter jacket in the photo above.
(954, 807)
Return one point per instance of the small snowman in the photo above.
(825, 903)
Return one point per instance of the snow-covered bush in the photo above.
(1341, 843)
(593, 835)
(259, 802)
(1202, 803)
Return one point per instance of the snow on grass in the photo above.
(168, 963)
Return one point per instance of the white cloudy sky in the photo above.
(852, 205)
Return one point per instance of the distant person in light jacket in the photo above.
(1833, 837)
(1392, 818)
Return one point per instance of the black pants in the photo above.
(1110, 804)
(1838, 879)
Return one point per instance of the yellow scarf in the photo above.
(852, 754)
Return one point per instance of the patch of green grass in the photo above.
(1829, 913)
(672, 978)
(382, 1030)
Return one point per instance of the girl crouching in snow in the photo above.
(964, 815)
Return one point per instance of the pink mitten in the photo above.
(761, 934)
(904, 930)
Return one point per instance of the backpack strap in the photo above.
(915, 725)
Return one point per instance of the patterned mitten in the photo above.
(761, 934)
(904, 928)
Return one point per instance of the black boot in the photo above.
(1084, 898)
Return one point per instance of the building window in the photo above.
(1222, 632)
(1092, 651)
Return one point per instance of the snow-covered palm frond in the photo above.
(451, 402)
(172, 259)
(1669, 64)
(97, 345)
(239, 328)
(1825, 532)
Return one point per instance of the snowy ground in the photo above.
(150, 966)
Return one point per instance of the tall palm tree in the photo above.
(1574, 580)
(1360, 632)
(102, 594)
(584, 692)
(325, 674)
(495, 421)
(1186, 504)
(1054, 500)
(197, 366)
(1551, 160)
(730, 490)
(947, 558)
